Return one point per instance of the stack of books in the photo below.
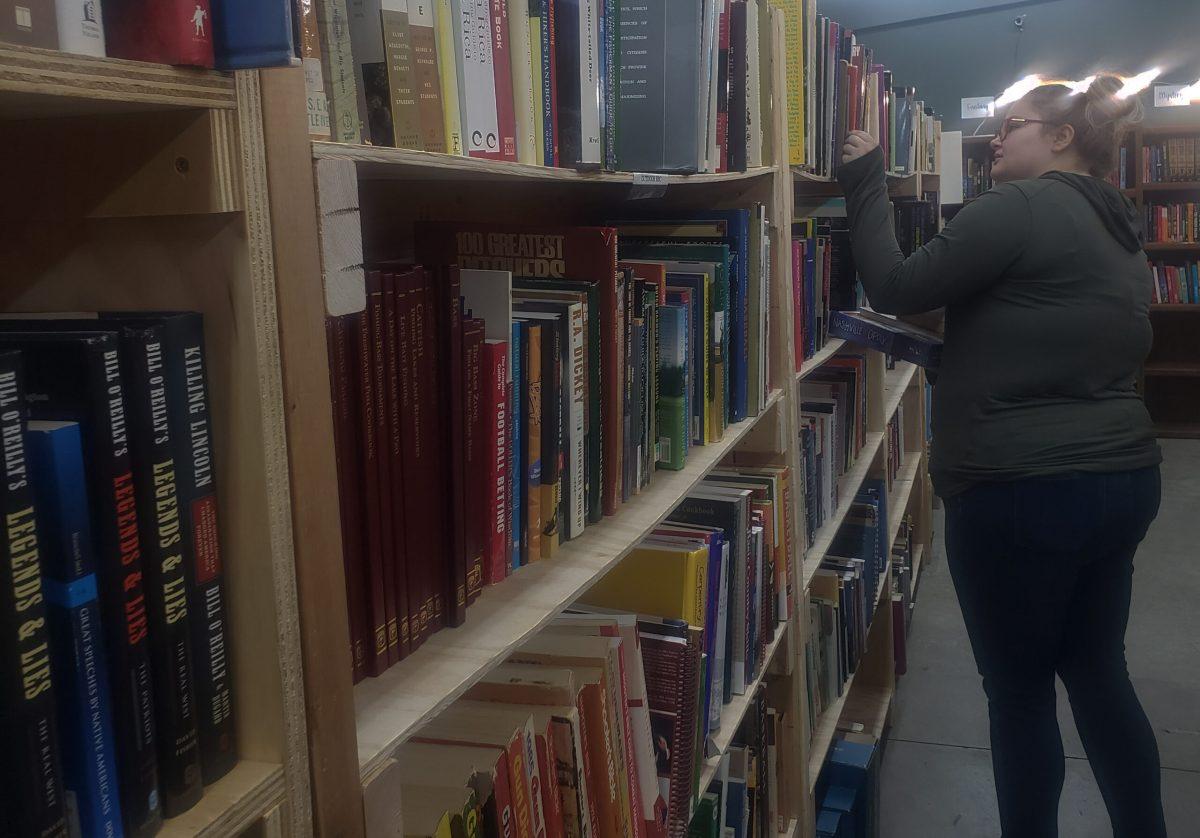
(977, 178)
(1172, 160)
(916, 222)
(656, 87)
(119, 696)
(601, 723)
(1176, 283)
(823, 279)
(847, 791)
(835, 86)
(564, 365)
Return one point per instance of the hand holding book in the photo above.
(858, 144)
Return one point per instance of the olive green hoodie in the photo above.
(1047, 296)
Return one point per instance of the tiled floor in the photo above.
(937, 777)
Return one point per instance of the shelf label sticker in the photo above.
(648, 185)
(1170, 96)
(978, 107)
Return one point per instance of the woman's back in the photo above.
(1040, 364)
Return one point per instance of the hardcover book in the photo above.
(81, 672)
(30, 23)
(33, 805)
(80, 26)
(308, 42)
(157, 489)
(338, 69)
(423, 36)
(371, 72)
(170, 32)
(401, 74)
(248, 34)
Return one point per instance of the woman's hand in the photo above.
(858, 144)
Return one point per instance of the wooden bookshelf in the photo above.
(167, 208)
(40, 83)
(389, 708)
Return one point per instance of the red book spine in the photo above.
(162, 31)
(395, 571)
(518, 779)
(553, 80)
(504, 826)
(381, 301)
(631, 774)
(506, 112)
(551, 793)
(495, 386)
(410, 340)
(377, 655)
(454, 424)
(798, 300)
(586, 752)
(434, 458)
(341, 334)
(476, 514)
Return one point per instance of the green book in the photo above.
(672, 410)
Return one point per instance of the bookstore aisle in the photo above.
(937, 778)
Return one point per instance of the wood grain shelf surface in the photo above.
(383, 163)
(1162, 247)
(1176, 369)
(1179, 307)
(895, 383)
(1171, 186)
(232, 803)
(47, 83)
(388, 709)
(831, 348)
(734, 712)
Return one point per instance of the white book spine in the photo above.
(80, 27)
(521, 59)
(477, 78)
(589, 81)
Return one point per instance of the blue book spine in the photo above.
(77, 649)
(811, 297)
(1194, 273)
(517, 470)
(248, 34)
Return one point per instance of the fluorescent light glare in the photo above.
(1018, 89)
(1080, 86)
(1138, 83)
(1191, 93)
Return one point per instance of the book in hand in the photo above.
(77, 645)
(162, 31)
(890, 336)
(32, 805)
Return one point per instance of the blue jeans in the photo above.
(1043, 569)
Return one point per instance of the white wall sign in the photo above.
(978, 107)
(1168, 96)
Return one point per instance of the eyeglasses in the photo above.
(1011, 122)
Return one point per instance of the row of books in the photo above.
(117, 704)
(823, 279)
(915, 222)
(1173, 222)
(903, 591)
(1176, 283)
(600, 724)
(833, 431)
(835, 86)
(1172, 160)
(847, 792)
(977, 175)
(656, 87)
(744, 798)
(229, 34)
(1122, 177)
(565, 365)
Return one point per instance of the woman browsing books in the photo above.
(1042, 449)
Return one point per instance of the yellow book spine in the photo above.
(656, 580)
(448, 76)
(535, 51)
(794, 29)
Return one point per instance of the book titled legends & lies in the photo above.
(32, 803)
